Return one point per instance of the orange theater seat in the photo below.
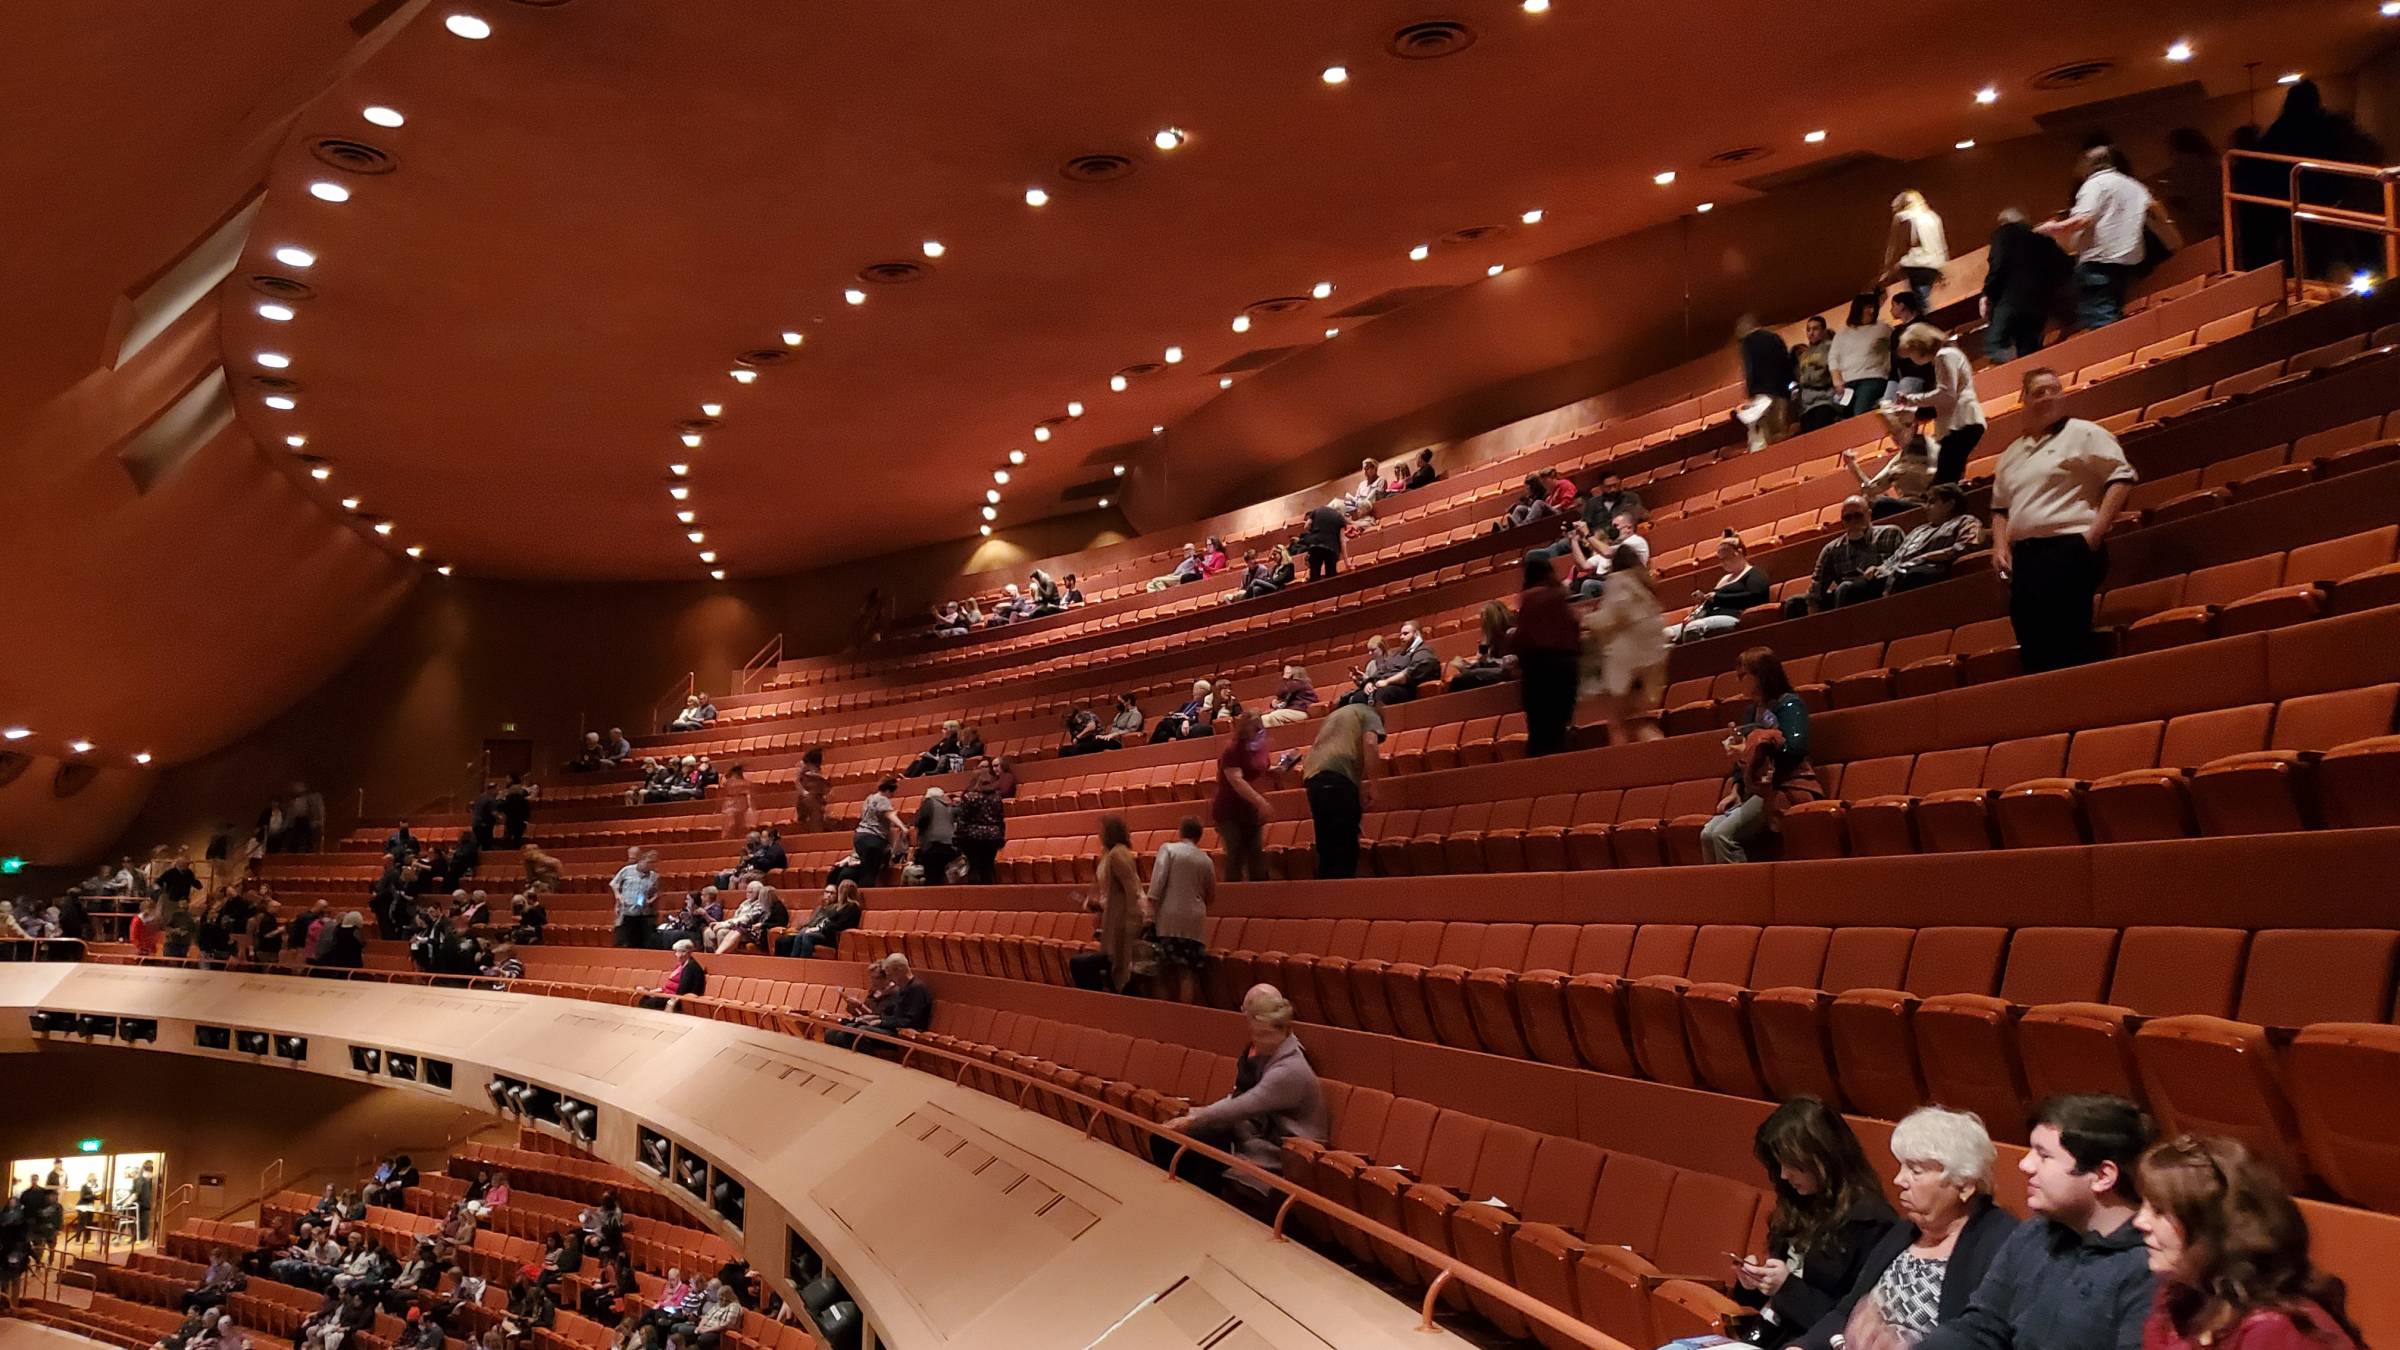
(2263, 791)
(2160, 972)
(1557, 1192)
(2155, 803)
(1960, 819)
(1967, 1042)
(1789, 1024)
(2047, 812)
(1717, 1014)
(2345, 1090)
(1874, 1046)
(1721, 955)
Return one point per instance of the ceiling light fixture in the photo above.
(1663, 179)
(711, 409)
(1536, 6)
(1104, 503)
(793, 337)
(282, 402)
(1167, 138)
(383, 116)
(275, 313)
(16, 733)
(1321, 290)
(320, 473)
(1967, 144)
(854, 296)
(696, 536)
(1155, 431)
(1333, 332)
(2292, 78)
(1119, 469)
(2180, 51)
(743, 376)
(933, 248)
(992, 495)
(1041, 433)
(349, 503)
(1494, 270)
(141, 757)
(708, 555)
(716, 574)
(1241, 323)
(326, 190)
(295, 441)
(991, 513)
(679, 492)
(686, 517)
(1036, 197)
(1117, 383)
(1225, 382)
(2391, 9)
(984, 530)
(1336, 75)
(1420, 253)
(1000, 475)
(1988, 95)
(1533, 217)
(468, 26)
(1174, 355)
(80, 746)
(416, 550)
(1814, 138)
(383, 527)
(291, 255)
(444, 569)
(679, 470)
(274, 360)
(1016, 456)
(1705, 207)
(691, 440)
(1074, 408)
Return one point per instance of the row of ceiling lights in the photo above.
(81, 745)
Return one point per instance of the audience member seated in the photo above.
(1276, 1096)
(719, 1319)
(1043, 595)
(1116, 896)
(943, 756)
(2230, 1254)
(1423, 474)
(1010, 607)
(1900, 483)
(1365, 677)
(1267, 577)
(2074, 1275)
(530, 1309)
(1928, 552)
(601, 752)
(949, 620)
(1829, 1215)
(400, 843)
(1212, 557)
(697, 713)
(1530, 505)
(1606, 502)
(1126, 727)
(1186, 569)
(840, 912)
(903, 1004)
(1927, 1267)
(1413, 666)
(529, 915)
(702, 910)
(1083, 735)
(1221, 706)
(218, 1282)
(1770, 768)
(1846, 562)
(685, 979)
(1292, 699)
(1359, 502)
(1719, 608)
(1188, 720)
(1493, 662)
(1183, 883)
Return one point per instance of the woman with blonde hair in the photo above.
(1625, 651)
(2230, 1253)
(1917, 250)
(1958, 413)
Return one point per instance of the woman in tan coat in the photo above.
(1117, 898)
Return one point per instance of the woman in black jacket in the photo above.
(1829, 1213)
(1929, 1265)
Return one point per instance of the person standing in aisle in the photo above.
(2058, 489)
(1334, 776)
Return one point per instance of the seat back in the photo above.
(2165, 972)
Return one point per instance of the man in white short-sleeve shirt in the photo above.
(2058, 489)
(2104, 232)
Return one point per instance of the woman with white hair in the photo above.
(1924, 1272)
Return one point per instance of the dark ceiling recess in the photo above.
(695, 424)
(1474, 234)
(71, 779)
(1276, 304)
(763, 356)
(373, 16)
(1389, 301)
(1120, 453)
(1084, 492)
(1099, 168)
(1257, 358)
(1140, 368)
(2074, 74)
(1054, 423)
(352, 155)
(2100, 113)
(275, 384)
(1431, 40)
(1740, 154)
(898, 272)
(282, 288)
(1833, 167)
(13, 763)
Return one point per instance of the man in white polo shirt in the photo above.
(2057, 490)
(2104, 232)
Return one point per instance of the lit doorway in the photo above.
(110, 1200)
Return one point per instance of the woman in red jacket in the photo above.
(2230, 1251)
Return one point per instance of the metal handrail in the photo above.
(181, 1195)
(2385, 223)
(769, 654)
(813, 1026)
(681, 688)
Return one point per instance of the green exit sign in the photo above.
(9, 867)
(88, 1145)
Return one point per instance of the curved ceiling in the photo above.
(591, 213)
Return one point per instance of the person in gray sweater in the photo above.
(2075, 1276)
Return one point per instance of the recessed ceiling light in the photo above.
(1117, 469)
(1117, 383)
(679, 492)
(1814, 137)
(933, 248)
(382, 116)
(1321, 289)
(1533, 217)
(2293, 78)
(320, 473)
(708, 555)
(1016, 456)
(416, 550)
(696, 536)
(274, 360)
(1705, 207)
(1536, 6)
(992, 495)
(326, 190)
(686, 517)
(691, 440)
(1036, 197)
(468, 26)
(1336, 75)
(79, 745)
(17, 733)
(293, 256)
(711, 409)
(1041, 433)
(1104, 503)
(984, 530)
(275, 313)
(2181, 51)
(1174, 355)
(349, 503)
(1075, 408)
(2391, 9)
(743, 376)
(1167, 138)
(383, 527)
(1241, 323)
(679, 470)
(444, 569)
(793, 337)
(282, 402)
(854, 296)
(1494, 270)
(1226, 381)
(1333, 332)
(716, 574)
(295, 441)
(991, 513)
(1000, 475)
(1155, 431)
(1987, 95)
(1420, 253)
(1663, 179)
(141, 757)
(1967, 144)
